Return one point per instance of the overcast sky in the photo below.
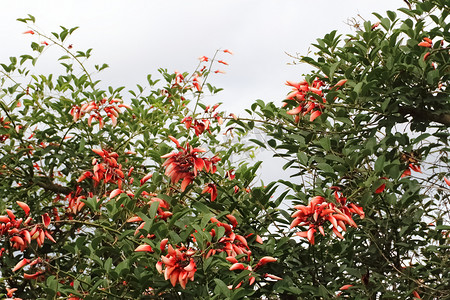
(137, 37)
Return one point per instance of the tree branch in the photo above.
(50, 186)
(425, 115)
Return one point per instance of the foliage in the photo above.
(151, 194)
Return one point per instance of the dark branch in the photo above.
(425, 115)
(50, 186)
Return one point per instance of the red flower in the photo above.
(185, 164)
(319, 211)
(212, 189)
(179, 265)
(346, 287)
(447, 181)
(301, 93)
(425, 44)
(381, 188)
(29, 32)
(144, 248)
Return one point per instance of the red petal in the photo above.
(380, 189)
(447, 181)
(295, 111)
(314, 115)
(237, 266)
(175, 141)
(115, 193)
(99, 152)
(24, 206)
(46, 220)
(21, 264)
(345, 287)
(144, 248)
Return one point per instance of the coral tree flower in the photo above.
(178, 265)
(318, 212)
(186, 165)
(212, 189)
(231, 243)
(427, 43)
(302, 92)
(108, 170)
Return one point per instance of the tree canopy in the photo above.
(151, 193)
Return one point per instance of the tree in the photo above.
(110, 196)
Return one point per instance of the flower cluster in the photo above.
(261, 262)
(4, 125)
(232, 244)
(185, 164)
(110, 107)
(307, 97)
(302, 93)
(412, 161)
(108, 170)
(319, 211)
(75, 201)
(161, 212)
(202, 125)
(178, 265)
(20, 232)
(30, 263)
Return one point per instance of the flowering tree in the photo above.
(151, 195)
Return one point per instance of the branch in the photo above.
(423, 115)
(50, 186)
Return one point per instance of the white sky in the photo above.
(137, 37)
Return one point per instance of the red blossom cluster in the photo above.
(75, 201)
(232, 244)
(161, 212)
(10, 294)
(5, 125)
(302, 93)
(30, 263)
(319, 211)
(261, 262)
(199, 126)
(20, 232)
(202, 125)
(108, 170)
(110, 107)
(413, 167)
(178, 265)
(185, 164)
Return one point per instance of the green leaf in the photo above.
(325, 143)
(379, 164)
(258, 142)
(221, 288)
(325, 167)
(303, 158)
